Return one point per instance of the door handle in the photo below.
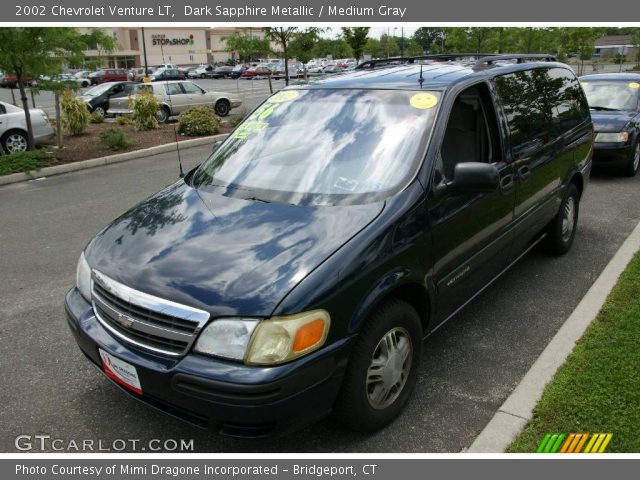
(506, 184)
(523, 173)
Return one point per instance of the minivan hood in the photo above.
(611, 121)
(227, 255)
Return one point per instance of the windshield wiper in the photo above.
(598, 107)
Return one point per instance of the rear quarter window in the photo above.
(540, 104)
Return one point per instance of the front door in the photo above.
(471, 232)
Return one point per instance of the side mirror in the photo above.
(216, 145)
(473, 177)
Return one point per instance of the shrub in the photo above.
(75, 115)
(144, 107)
(95, 118)
(122, 120)
(198, 120)
(236, 120)
(19, 162)
(115, 139)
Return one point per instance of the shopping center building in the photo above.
(181, 46)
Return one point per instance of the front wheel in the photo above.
(634, 161)
(382, 370)
(222, 108)
(562, 229)
(163, 115)
(100, 110)
(15, 141)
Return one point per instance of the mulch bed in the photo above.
(88, 144)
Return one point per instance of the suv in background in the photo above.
(299, 268)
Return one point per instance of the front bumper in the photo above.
(613, 154)
(226, 397)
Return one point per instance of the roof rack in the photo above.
(409, 60)
(489, 60)
(479, 60)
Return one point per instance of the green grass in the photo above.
(19, 162)
(598, 389)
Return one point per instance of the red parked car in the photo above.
(257, 71)
(109, 75)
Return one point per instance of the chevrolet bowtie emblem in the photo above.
(124, 320)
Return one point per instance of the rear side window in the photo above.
(540, 104)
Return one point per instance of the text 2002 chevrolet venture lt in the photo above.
(298, 269)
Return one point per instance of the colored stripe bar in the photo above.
(582, 442)
(591, 442)
(606, 441)
(567, 443)
(543, 443)
(550, 443)
(558, 443)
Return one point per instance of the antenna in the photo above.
(175, 128)
(421, 79)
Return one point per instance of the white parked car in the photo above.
(203, 71)
(176, 97)
(82, 78)
(167, 66)
(13, 128)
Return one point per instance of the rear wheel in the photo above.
(222, 108)
(382, 370)
(634, 161)
(562, 229)
(15, 141)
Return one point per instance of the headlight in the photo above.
(267, 342)
(226, 338)
(280, 339)
(619, 137)
(83, 278)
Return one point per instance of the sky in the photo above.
(374, 32)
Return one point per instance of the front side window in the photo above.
(173, 89)
(324, 146)
(191, 88)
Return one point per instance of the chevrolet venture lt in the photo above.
(297, 270)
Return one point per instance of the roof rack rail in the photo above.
(409, 60)
(489, 60)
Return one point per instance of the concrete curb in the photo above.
(97, 162)
(517, 410)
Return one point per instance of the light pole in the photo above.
(144, 53)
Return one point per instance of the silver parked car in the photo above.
(176, 97)
(13, 128)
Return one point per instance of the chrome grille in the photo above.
(149, 322)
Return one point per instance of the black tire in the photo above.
(100, 110)
(222, 108)
(163, 115)
(358, 406)
(562, 229)
(14, 141)
(634, 161)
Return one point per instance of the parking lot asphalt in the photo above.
(251, 92)
(470, 365)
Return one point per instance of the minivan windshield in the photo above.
(611, 95)
(324, 146)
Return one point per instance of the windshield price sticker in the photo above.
(634, 85)
(423, 101)
(284, 96)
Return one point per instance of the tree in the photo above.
(31, 52)
(373, 48)
(472, 39)
(301, 47)
(427, 36)
(582, 41)
(635, 39)
(337, 48)
(282, 36)
(247, 46)
(356, 37)
(389, 46)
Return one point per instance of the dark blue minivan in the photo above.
(297, 270)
